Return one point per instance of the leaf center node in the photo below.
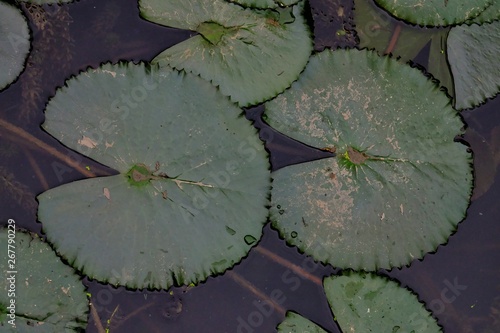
(352, 157)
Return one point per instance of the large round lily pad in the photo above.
(399, 184)
(14, 43)
(251, 55)
(191, 194)
(435, 12)
(295, 323)
(48, 295)
(369, 303)
(473, 55)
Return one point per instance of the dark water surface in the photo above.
(460, 282)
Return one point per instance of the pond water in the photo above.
(460, 282)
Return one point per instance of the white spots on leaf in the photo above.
(346, 115)
(87, 142)
(401, 209)
(393, 142)
(109, 72)
(106, 193)
(109, 145)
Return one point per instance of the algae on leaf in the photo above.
(49, 296)
(14, 43)
(473, 53)
(399, 184)
(370, 303)
(251, 55)
(193, 180)
(435, 12)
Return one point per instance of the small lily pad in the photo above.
(399, 184)
(435, 12)
(370, 303)
(48, 296)
(191, 194)
(473, 55)
(14, 43)
(251, 55)
(295, 323)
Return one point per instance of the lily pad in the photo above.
(48, 296)
(473, 55)
(191, 194)
(265, 3)
(14, 43)
(295, 323)
(251, 55)
(399, 184)
(370, 303)
(435, 12)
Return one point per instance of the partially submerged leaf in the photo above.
(251, 55)
(370, 303)
(473, 55)
(438, 61)
(435, 12)
(375, 31)
(191, 194)
(49, 297)
(399, 184)
(14, 43)
(265, 3)
(295, 323)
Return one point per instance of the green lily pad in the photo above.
(14, 43)
(435, 12)
(251, 55)
(370, 303)
(399, 184)
(48, 296)
(295, 323)
(265, 3)
(473, 55)
(191, 194)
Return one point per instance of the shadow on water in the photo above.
(459, 282)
